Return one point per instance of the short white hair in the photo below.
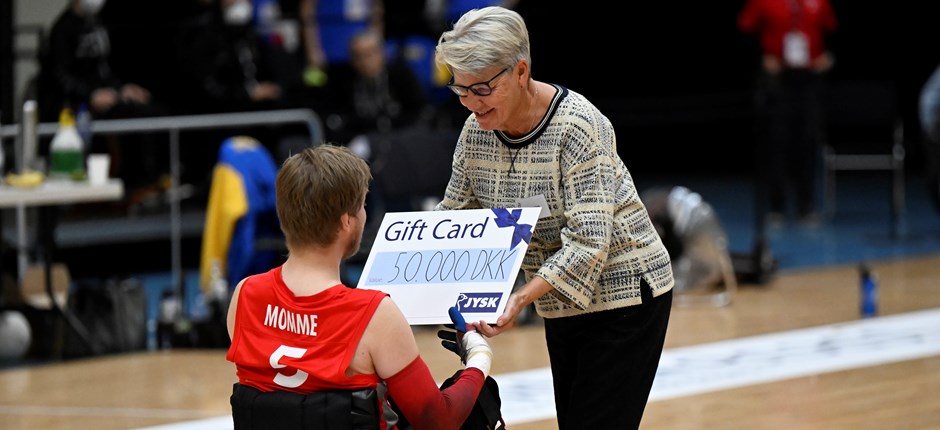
(482, 38)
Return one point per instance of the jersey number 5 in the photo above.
(292, 381)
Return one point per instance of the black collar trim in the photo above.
(523, 141)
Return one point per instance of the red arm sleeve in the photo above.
(424, 405)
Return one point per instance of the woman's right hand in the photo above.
(528, 293)
(506, 321)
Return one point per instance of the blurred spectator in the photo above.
(409, 28)
(278, 23)
(142, 43)
(229, 68)
(80, 69)
(377, 96)
(794, 60)
(76, 70)
(327, 27)
(929, 113)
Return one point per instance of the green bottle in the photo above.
(67, 160)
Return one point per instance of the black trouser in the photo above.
(603, 364)
(790, 112)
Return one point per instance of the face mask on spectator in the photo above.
(91, 7)
(239, 13)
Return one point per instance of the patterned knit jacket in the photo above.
(598, 242)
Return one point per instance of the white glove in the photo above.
(479, 354)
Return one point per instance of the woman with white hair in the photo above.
(595, 267)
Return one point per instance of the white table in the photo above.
(47, 196)
(57, 193)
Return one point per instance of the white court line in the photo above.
(753, 360)
(528, 396)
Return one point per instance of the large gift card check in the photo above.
(431, 260)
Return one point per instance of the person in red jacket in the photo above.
(791, 34)
(302, 341)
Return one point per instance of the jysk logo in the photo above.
(478, 302)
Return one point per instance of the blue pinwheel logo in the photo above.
(505, 218)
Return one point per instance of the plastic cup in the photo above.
(99, 166)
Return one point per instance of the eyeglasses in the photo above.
(481, 89)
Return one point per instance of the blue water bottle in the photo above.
(869, 292)
(83, 125)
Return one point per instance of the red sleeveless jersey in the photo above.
(299, 344)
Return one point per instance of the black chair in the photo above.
(332, 409)
(864, 132)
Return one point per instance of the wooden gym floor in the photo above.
(189, 388)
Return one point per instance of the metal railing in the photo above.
(174, 125)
